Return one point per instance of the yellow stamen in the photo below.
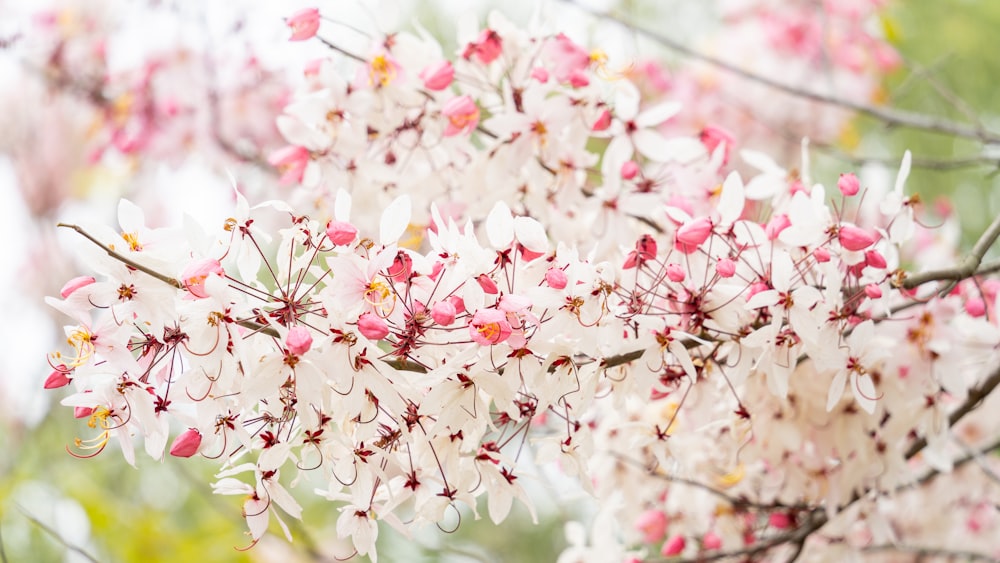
(379, 295)
(381, 71)
(133, 241)
(82, 341)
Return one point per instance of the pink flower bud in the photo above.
(58, 378)
(75, 284)
(974, 306)
(725, 267)
(676, 273)
(341, 233)
(487, 284)
(291, 161)
(777, 224)
(438, 76)
(578, 79)
(711, 540)
(298, 340)
(556, 278)
(603, 121)
(401, 267)
(486, 48)
(848, 184)
(821, 254)
(540, 74)
(372, 327)
(193, 277)
(779, 520)
(82, 412)
(187, 444)
(756, 288)
(489, 326)
(652, 524)
(693, 233)
(673, 546)
(462, 114)
(629, 170)
(304, 24)
(873, 291)
(855, 238)
(875, 259)
(458, 302)
(443, 313)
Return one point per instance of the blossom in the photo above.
(186, 444)
(848, 184)
(193, 277)
(304, 24)
(462, 114)
(486, 48)
(489, 326)
(341, 233)
(438, 76)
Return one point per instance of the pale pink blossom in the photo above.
(304, 24)
(489, 326)
(462, 114)
(438, 76)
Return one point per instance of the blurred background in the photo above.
(107, 99)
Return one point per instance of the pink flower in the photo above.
(486, 48)
(777, 224)
(372, 327)
(848, 184)
(646, 246)
(193, 277)
(779, 520)
(542, 75)
(341, 232)
(438, 76)
(556, 278)
(75, 284)
(855, 238)
(974, 306)
(187, 444)
(875, 259)
(725, 267)
(304, 24)
(673, 546)
(401, 267)
(443, 313)
(462, 114)
(291, 161)
(693, 233)
(298, 340)
(58, 378)
(652, 524)
(567, 59)
(712, 136)
(629, 170)
(489, 326)
(676, 273)
(821, 254)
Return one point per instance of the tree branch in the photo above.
(969, 266)
(894, 117)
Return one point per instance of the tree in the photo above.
(528, 251)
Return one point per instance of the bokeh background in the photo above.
(54, 507)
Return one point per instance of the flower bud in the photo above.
(777, 224)
(298, 340)
(875, 259)
(443, 313)
(646, 247)
(438, 76)
(75, 284)
(855, 238)
(187, 444)
(58, 378)
(82, 412)
(711, 540)
(372, 327)
(304, 24)
(974, 306)
(487, 284)
(629, 170)
(462, 114)
(341, 233)
(693, 233)
(652, 524)
(821, 254)
(603, 121)
(540, 74)
(676, 273)
(556, 278)
(873, 291)
(848, 184)
(725, 267)
(673, 546)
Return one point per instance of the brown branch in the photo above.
(894, 117)
(921, 552)
(969, 266)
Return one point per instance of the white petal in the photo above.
(864, 392)
(836, 390)
(732, 199)
(342, 206)
(395, 219)
(761, 162)
(652, 145)
(130, 217)
(657, 114)
(904, 173)
(531, 234)
(500, 226)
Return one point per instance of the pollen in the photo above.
(133, 241)
(378, 295)
(381, 71)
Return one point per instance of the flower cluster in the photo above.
(504, 251)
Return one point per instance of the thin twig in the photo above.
(894, 117)
(58, 538)
(921, 552)
(969, 266)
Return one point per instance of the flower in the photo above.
(653, 525)
(372, 327)
(443, 313)
(854, 238)
(462, 114)
(438, 76)
(187, 444)
(193, 277)
(486, 48)
(341, 232)
(489, 326)
(298, 340)
(848, 184)
(304, 24)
